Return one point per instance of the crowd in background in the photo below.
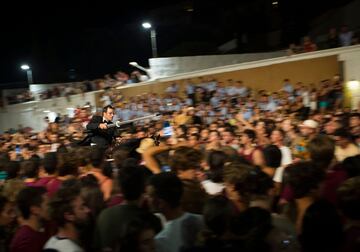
(238, 170)
(66, 89)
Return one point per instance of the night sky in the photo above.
(92, 40)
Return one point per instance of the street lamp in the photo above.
(147, 26)
(28, 70)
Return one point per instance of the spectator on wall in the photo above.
(345, 36)
(308, 45)
(332, 39)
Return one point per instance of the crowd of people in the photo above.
(66, 89)
(223, 168)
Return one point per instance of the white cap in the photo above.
(310, 124)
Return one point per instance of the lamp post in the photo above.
(147, 26)
(28, 70)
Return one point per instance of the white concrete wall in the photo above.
(163, 67)
(32, 113)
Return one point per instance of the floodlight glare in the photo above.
(146, 25)
(25, 67)
(353, 85)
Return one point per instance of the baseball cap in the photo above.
(310, 124)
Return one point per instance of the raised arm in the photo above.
(149, 157)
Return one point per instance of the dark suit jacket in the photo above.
(102, 138)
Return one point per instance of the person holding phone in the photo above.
(18, 149)
(168, 129)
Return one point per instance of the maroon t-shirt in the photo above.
(28, 240)
(44, 181)
(335, 176)
(53, 186)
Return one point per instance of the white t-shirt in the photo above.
(286, 158)
(62, 245)
(306, 98)
(278, 176)
(179, 233)
(212, 188)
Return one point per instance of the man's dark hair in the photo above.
(250, 133)
(83, 155)
(230, 130)
(322, 150)
(185, 158)
(12, 169)
(28, 197)
(218, 212)
(62, 203)
(50, 162)
(67, 164)
(303, 177)
(97, 157)
(281, 131)
(29, 169)
(168, 187)
(120, 154)
(3, 201)
(196, 135)
(343, 133)
(132, 182)
(129, 236)
(355, 115)
(251, 182)
(272, 156)
(216, 161)
(105, 109)
(35, 158)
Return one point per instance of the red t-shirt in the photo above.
(28, 240)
